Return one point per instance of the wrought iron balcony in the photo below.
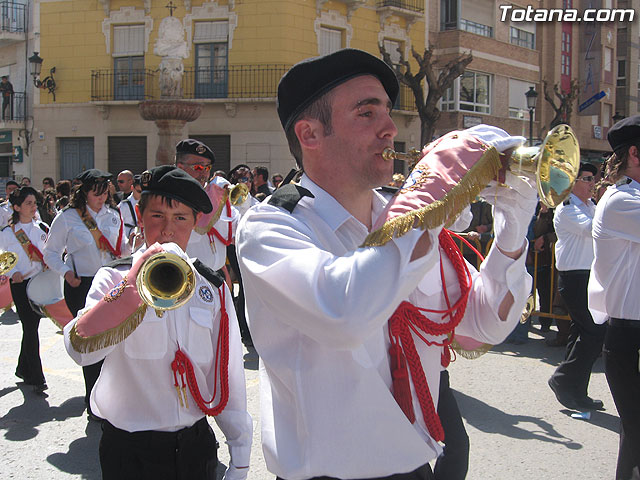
(411, 5)
(12, 22)
(122, 85)
(405, 101)
(14, 109)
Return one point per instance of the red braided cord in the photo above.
(222, 362)
(407, 319)
(214, 233)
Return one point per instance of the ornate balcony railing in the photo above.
(117, 85)
(12, 17)
(413, 5)
(14, 108)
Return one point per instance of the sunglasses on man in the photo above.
(198, 167)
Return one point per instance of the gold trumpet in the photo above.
(238, 194)
(553, 165)
(8, 260)
(165, 281)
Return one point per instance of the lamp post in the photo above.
(35, 67)
(532, 96)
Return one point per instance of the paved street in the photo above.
(517, 429)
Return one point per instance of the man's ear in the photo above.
(138, 215)
(634, 156)
(309, 132)
(198, 216)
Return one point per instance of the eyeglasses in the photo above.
(587, 178)
(244, 180)
(198, 167)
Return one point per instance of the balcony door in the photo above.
(211, 70)
(128, 78)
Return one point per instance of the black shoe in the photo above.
(564, 398)
(589, 403)
(40, 388)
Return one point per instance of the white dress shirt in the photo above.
(130, 222)
(214, 253)
(318, 308)
(572, 222)
(135, 390)
(68, 232)
(9, 243)
(615, 273)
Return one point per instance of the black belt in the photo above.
(574, 272)
(155, 437)
(623, 323)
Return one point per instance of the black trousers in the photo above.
(29, 363)
(585, 337)
(453, 462)
(188, 454)
(75, 298)
(622, 368)
(422, 473)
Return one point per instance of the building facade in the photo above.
(105, 56)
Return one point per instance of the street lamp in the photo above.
(532, 96)
(617, 117)
(35, 67)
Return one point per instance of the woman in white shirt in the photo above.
(25, 237)
(91, 233)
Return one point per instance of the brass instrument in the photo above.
(165, 281)
(8, 260)
(238, 194)
(554, 165)
(528, 309)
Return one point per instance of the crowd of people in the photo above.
(349, 325)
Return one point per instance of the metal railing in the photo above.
(413, 5)
(234, 81)
(475, 27)
(14, 107)
(12, 17)
(114, 85)
(405, 101)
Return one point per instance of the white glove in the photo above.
(513, 208)
(496, 137)
(234, 473)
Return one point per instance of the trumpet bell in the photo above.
(555, 164)
(8, 260)
(165, 281)
(238, 194)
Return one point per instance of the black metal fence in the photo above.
(234, 81)
(12, 16)
(413, 5)
(110, 85)
(14, 107)
(406, 100)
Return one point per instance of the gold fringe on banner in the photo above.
(444, 209)
(48, 315)
(216, 215)
(470, 354)
(108, 337)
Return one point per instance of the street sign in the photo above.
(591, 101)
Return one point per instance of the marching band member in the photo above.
(5, 207)
(163, 371)
(319, 304)
(26, 237)
(91, 233)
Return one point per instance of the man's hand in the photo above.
(71, 279)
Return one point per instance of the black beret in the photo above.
(624, 133)
(309, 79)
(93, 175)
(588, 167)
(194, 147)
(173, 182)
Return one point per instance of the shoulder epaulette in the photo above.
(288, 196)
(209, 273)
(128, 261)
(43, 226)
(567, 201)
(388, 189)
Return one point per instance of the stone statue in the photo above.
(172, 47)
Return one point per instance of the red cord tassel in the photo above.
(400, 377)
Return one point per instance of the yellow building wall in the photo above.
(267, 32)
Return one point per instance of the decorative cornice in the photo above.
(123, 16)
(211, 11)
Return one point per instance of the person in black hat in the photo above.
(164, 370)
(613, 286)
(572, 222)
(319, 301)
(195, 158)
(91, 233)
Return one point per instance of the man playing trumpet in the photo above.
(319, 304)
(164, 369)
